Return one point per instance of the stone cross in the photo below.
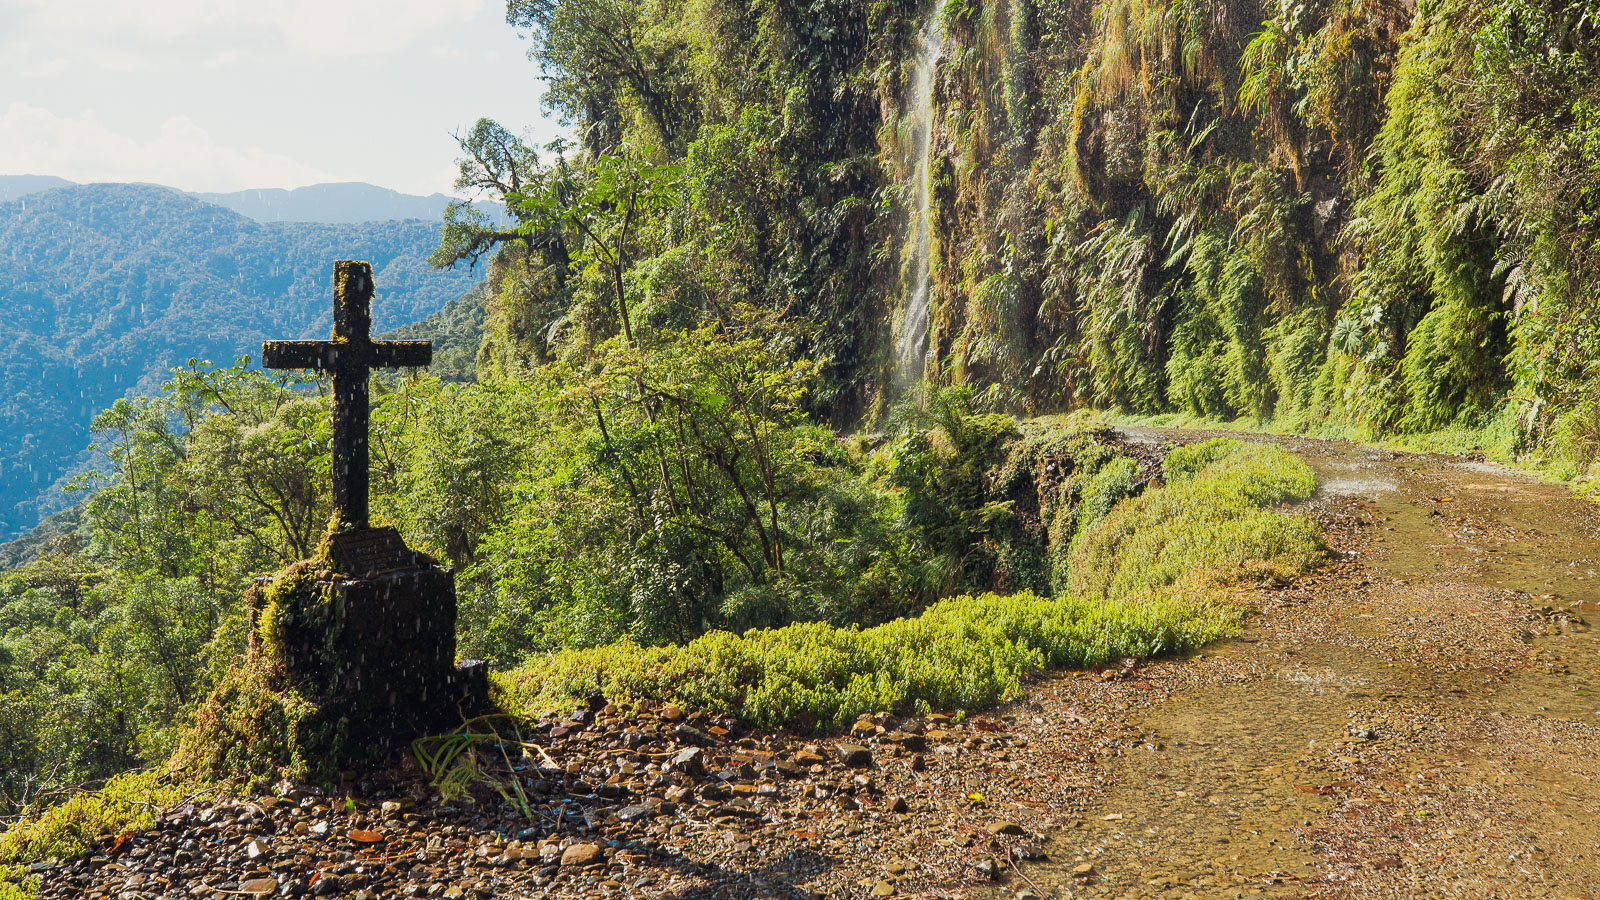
(349, 356)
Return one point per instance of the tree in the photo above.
(606, 57)
(607, 206)
(498, 164)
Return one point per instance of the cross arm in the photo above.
(401, 354)
(297, 355)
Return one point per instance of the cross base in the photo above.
(343, 667)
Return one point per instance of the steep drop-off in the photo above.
(105, 287)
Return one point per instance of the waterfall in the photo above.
(911, 345)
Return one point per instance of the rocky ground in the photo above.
(1420, 718)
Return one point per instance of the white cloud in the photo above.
(183, 155)
(169, 34)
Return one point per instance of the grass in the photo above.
(129, 802)
(1143, 584)
(1212, 522)
(960, 653)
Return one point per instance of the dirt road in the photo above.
(1420, 720)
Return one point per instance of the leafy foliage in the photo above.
(110, 639)
(961, 653)
(107, 286)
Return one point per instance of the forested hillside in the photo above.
(106, 287)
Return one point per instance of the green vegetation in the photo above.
(1213, 520)
(129, 802)
(1147, 562)
(456, 331)
(961, 653)
(665, 491)
(107, 286)
(253, 731)
(1369, 216)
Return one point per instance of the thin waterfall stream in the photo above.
(911, 344)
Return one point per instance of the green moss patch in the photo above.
(255, 729)
(961, 653)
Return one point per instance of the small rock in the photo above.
(1083, 870)
(853, 754)
(691, 735)
(1005, 828)
(883, 889)
(988, 868)
(898, 805)
(579, 855)
(259, 887)
(690, 762)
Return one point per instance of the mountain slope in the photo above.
(339, 203)
(456, 331)
(108, 286)
(14, 186)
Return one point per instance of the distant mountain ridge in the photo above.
(337, 203)
(14, 186)
(107, 286)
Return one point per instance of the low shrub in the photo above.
(1210, 523)
(963, 652)
(1184, 463)
(128, 802)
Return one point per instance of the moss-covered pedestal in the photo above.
(351, 654)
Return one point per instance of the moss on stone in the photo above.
(253, 730)
(339, 670)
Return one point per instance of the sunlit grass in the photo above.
(961, 653)
(1212, 522)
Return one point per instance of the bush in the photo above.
(1208, 523)
(1185, 462)
(129, 802)
(964, 652)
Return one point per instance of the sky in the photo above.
(224, 95)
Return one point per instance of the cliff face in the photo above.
(1368, 213)
(1362, 212)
